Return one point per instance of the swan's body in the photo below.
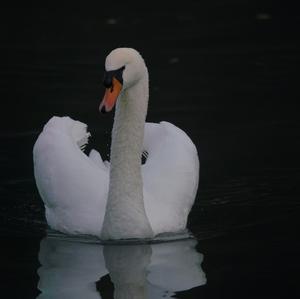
(121, 199)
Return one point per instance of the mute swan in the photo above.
(121, 199)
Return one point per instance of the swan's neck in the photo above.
(127, 138)
(125, 215)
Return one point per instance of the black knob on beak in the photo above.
(107, 81)
(108, 76)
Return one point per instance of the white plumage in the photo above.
(137, 201)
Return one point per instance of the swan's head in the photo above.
(124, 67)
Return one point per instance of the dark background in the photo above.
(226, 72)
(223, 65)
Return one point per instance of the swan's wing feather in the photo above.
(170, 175)
(72, 185)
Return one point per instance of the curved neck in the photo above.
(125, 215)
(128, 134)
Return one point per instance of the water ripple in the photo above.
(220, 207)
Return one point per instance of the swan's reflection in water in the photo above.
(74, 270)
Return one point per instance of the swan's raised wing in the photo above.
(72, 185)
(170, 176)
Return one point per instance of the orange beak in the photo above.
(110, 96)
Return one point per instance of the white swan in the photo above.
(121, 199)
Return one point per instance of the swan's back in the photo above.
(170, 175)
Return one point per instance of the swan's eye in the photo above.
(108, 77)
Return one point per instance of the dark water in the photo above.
(227, 73)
